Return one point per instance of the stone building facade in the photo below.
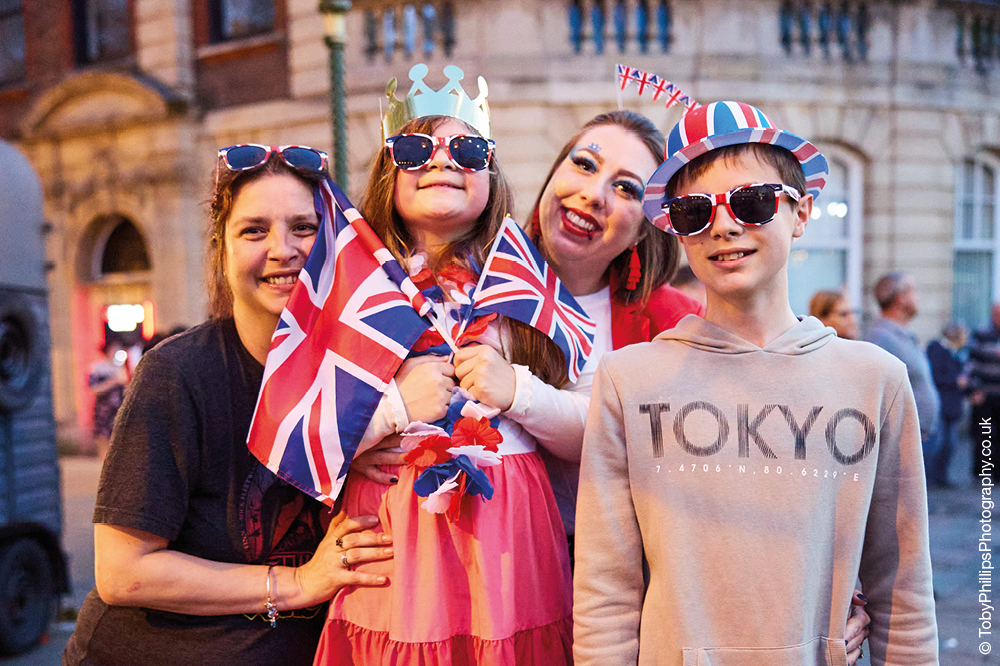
(120, 105)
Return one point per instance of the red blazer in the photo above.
(666, 306)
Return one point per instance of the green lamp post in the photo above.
(335, 21)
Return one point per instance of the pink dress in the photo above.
(490, 588)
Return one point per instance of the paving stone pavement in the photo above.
(954, 530)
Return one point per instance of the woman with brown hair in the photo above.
(833, 308)
(202, 555)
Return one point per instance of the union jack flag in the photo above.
(349, 323)
(625, 76)
(644, 79)
(516, 282)
(661, 86)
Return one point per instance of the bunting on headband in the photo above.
(655, 85)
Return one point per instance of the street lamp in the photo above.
(335, 22)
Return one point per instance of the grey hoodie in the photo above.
(730, 495)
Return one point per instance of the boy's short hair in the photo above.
(787, 166)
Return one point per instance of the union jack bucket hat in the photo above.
(722, 124)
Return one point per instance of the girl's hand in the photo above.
(347, 542)
(485, 374)
(425, 383)
(856, 630)
(369, 464)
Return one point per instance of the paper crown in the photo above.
(451, 100)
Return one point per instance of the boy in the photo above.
(741, 471)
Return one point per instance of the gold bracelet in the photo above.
(270, 609)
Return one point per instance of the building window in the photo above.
(125, 250)
(978, 35)
(101, 30)
(12, 55)
(828, 256)
(407, 29)
(236, 19)
(976, 268)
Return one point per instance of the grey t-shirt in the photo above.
(178, 467)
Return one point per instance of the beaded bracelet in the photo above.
(269, 607)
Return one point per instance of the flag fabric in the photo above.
(624, 76)
(644, 79)
(517, 282)
(349, 323)
(661, 86)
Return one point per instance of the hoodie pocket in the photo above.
(817, 652)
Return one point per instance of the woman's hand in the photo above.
(347, 542)
(425, 383)
(856, 630)
(369, 463)
(485, 374)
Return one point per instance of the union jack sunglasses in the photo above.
(246, 156)
(750, 205)
(466, 151)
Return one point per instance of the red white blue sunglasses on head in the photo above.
(466, 151)
(750, 205)
(247, 156)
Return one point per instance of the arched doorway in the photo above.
(112, 302)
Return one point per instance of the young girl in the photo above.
(484, 582)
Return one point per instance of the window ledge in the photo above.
(237, 48)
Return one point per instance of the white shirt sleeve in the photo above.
(556, 416)
(390, 417)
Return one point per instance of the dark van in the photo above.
(32, 563)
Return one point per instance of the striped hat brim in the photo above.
(814, 165)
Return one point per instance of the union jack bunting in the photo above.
(516, 282)
(657, 84)
(349, 323)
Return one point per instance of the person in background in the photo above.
(947, 368)
(984, 384)
(108, 379)
(688, 283)
(833, 308)
(897, 300)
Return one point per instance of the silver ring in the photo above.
(343, 560)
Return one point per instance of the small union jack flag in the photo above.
(349, 322)
(661, 86)
(516, 282)
(644, 79)
(625, 76)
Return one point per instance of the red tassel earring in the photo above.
(536, 227)
(634, 270)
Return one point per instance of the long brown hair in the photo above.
(228, 185)
(659, 252)
(523, 344)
